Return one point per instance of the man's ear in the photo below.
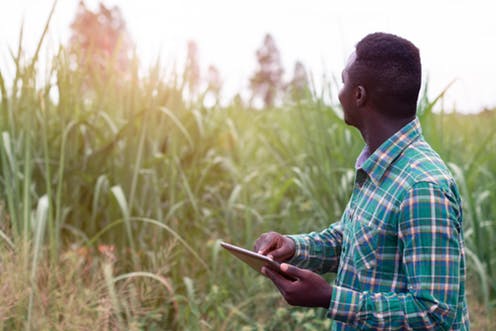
(360, 96)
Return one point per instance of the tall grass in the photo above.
(114, 198)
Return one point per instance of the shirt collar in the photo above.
(375, 165)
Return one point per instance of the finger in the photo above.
(268, 246)
(263, 242)
(258, 244)
(281, 253)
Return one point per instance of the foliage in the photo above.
(214, 84)
(112, 204)
(191, 77)
(298, 87)
(100, 40)
(267, 82)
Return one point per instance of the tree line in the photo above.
(100, 43)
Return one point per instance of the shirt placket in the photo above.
(360, 177)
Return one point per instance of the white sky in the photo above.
(457, 38)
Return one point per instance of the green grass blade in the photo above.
(124, 207)
(178, 124)
(7, 240)
(109, 281)
(39, 226)
(160, 225)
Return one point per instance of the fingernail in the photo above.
(270, 256)
(284, 266)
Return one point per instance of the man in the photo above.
(398, 248)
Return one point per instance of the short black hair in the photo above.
(389, 68)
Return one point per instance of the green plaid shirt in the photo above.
(398, 248)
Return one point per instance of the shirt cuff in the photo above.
(300, 254)
(345, 305)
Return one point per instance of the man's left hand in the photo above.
(308, 290)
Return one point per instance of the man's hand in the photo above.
(275, 245)
(308, 290)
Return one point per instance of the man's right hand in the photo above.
(275, 245)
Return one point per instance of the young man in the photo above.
(398, 248)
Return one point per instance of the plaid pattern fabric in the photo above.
(398, 248)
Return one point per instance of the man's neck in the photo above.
(376, 130)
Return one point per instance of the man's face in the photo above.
(347, 94)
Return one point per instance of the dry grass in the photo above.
(73, 295)
(138, 167)
(481, 318)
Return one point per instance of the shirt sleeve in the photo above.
(318, 251)
(429, 235)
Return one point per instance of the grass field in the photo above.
(112, 203)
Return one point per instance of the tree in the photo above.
(267, 81)
(214, 81)
(214, 86)
(298, 86)
(100, 42)
(191, 76)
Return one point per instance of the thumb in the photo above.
(292, 270)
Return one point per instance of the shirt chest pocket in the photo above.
(364, 245)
